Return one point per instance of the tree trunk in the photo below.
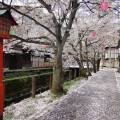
(119, 54)
(80, 70)
(87, 60)
(88, 69)
(94, 65)
(119, 63)
(81, 56)
(80, 63)
(57, 83)
(70, 74)
(98, 64)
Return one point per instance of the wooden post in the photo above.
(50, 83)
(74, 73)
(70, 74)
(1, 81)
(33, 86)
(38, 62)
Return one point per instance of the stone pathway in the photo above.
(98, 99)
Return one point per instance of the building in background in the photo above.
(111, 57)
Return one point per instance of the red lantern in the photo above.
(6, 21)
(104, 5)
(93, 34)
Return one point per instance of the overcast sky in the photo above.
(19, 2)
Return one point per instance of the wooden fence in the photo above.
(22, 87)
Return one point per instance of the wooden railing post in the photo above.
(33, 86)
(75, 73)
(50, 83)
(70, 74)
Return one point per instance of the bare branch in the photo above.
(48, 7)
(87, 6)
(31, 40)
(75, 6)
(73, 47)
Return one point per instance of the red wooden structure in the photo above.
(6, 21)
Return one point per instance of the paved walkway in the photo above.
(98, 99)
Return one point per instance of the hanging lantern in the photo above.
(6, 22)
(12, 31)
(104, 5)
(102, 14)
(93, 34)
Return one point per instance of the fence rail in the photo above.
(18, 88)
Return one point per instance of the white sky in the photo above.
(21, 2)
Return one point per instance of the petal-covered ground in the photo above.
(98, 99)
(32, 108)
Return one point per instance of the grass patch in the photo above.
(54, 96)
(66, 86)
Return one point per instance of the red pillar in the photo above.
(1, 80)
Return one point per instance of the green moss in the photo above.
(68, 84)
(54, 96)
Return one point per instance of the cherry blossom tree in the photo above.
(61, 14)
(56, 19)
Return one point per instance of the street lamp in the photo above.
(6, 21)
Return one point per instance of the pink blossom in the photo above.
(46, 46)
